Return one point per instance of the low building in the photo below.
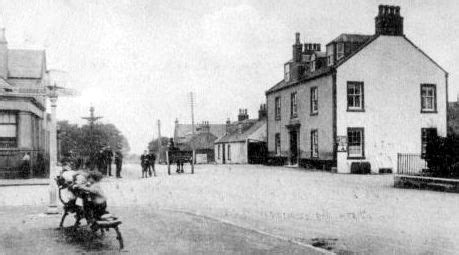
(244, 141)
(201, 139)
(23, 117)
(367, 98)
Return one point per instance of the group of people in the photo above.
(105, 158)
(147, 162)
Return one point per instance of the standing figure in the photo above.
(151, 163)
(144, 164)
(25, 165)
(108, 160)
(118, 163)
(100, 159)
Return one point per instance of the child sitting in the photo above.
(97, 203)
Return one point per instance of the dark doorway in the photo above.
(223, 154)
(293, 147)
(257, 152)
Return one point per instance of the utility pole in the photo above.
(193, 132)
(159, 141)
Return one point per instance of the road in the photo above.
(345, 213)
(145, 231)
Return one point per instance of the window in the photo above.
(355, 143)
(330, 54)
(314, 144)
(355, 99)
(229, 152)
(313, 62)
(426, 134)
(287, 72)
(339, 51)
(277, 110)
(277, 144)
(293, 105)
(314, 101)
(428, 98)
(8, 130)
(218, 151)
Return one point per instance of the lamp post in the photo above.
(52, 206)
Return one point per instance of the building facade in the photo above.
(244, 141)
(23, 118)
(367, 98)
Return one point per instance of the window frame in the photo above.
(362, 137)
(434, 97)
(277, 108)
(287, 75)
(362, 96)
(424, 136)
(314, 143)
(7, 141)
(277, 144)
(339, 52)
(314, 101)
(293, 105)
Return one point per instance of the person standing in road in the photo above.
(151, 163)
(118, 163)
(108, 160)
(144, 164)
(100, 159)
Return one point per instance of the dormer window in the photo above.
(330, 54)
(339, 51)
(287, 72)
(313, 63)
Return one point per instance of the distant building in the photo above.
(23, 119)
(202, 139)
(365, 99)
(244, 141)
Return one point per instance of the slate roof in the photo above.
(357, 38)
(310, 76)
(25, 63)
(248, 128)
(183, 130)
(200, 141)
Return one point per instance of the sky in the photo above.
(136, 61)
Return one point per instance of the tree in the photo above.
(84, 141)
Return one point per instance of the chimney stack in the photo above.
(228, 125)
(297, 49)
(310, 48)
(242, 115)
(262, 113)
(389, 21)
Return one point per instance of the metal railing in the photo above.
(411, 164)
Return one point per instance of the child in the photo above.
(97, 200)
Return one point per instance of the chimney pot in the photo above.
(297, 38)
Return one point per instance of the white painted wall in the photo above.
(392, 71)
(238, 153)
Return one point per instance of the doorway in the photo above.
(223, 154)
(294, 147)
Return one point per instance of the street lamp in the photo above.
(52, 207)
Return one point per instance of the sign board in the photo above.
(342, 144)
(201, 159)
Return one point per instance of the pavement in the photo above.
(346, 214)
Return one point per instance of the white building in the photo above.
(244, 141)
(369, 98)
